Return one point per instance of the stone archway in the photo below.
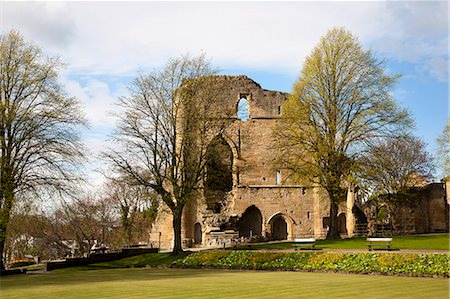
(342, 223)
(198, 233)
(250, 224)
(280, 227)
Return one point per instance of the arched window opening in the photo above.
(278, 177)
(219, 177)
(242, 110)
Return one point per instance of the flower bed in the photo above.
(382, 263)
(20, 262)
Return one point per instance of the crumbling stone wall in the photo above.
(425, 210)
(293, 210)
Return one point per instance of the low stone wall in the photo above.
(98, 258)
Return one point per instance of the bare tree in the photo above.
(134, 204)
(86, 220)
(396, 164)
(340, 104)
(393, 174)
(40, 147)
(168, 121)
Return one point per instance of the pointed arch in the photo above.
(250, 224)
(281, 227)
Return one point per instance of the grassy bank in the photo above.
(421, 242)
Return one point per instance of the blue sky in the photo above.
(105, 44)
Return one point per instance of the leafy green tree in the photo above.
(339, 106)
(443, 152)
(166, 126)
(39, 142)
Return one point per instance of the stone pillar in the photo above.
(447, 190)
(319, 231)
(350, 216)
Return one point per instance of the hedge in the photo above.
(383, 263)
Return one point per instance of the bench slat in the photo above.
(385, 242)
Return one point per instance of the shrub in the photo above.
(20, 262)
(325, 261)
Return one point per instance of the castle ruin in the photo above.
(243, 190)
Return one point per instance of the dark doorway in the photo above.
(197, 233)
(342, 223)
(219, 177)
(279, 229)
(250, 224)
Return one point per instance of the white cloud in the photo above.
(47, 23)
(119, 37)
(98, 99)
(416, 32)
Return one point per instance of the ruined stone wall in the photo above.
(287, 210)
(426, 211)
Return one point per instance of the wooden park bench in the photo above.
(301, 243)
(383, 242)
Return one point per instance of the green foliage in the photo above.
(386, 263)
(340, 105)
(20, 262)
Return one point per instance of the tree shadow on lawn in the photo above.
(80, 275)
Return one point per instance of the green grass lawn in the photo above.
(430, 242)
(190, 283)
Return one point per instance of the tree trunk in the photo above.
(5, 213)
(333, 232)
(177, 213)
(2, 245)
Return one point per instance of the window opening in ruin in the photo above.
(309, 215)
(250, 224)
(278, 177)
(219, 177)
(342, 225)
(279, 110)
(242, 110)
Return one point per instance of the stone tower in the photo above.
(243, 190)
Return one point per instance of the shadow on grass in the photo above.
(80, 276)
